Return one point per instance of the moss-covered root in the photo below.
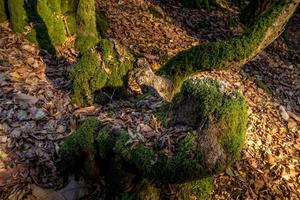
(234, 52)
(49, 29)
(3, 14)
(200, 189)
(87, 35)
(219, 119)
(87, 76)
(77, 153)
(117, 62)
(18, 15)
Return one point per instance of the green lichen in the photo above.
(3, 14)
(221, 54)
(87, 76)
(117, 62)
(78, 150)
(200, 189)
(18, 15)
(87, 35)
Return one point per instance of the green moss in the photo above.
(3, 14)
(71, 23)
(229, 108)
(69, 6)
(49, 30)
(117, 62)
(200, 189)
(155, 12)
(87, 35)
(87, 76)
(263, 86)
(78, 150)
(18, 15)
(105, 141)
(102, 23)
(220, 54)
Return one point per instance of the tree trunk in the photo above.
(234, 52)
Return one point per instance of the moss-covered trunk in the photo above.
(233, 52)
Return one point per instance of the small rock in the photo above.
(283, 113)
(16, 133)
(22, 115)
(39, 114)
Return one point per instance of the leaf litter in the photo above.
(36, 113)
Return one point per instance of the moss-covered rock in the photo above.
(3, 14)
(88, 76)
(18, 14)
(87, 35)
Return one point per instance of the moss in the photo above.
(102, 23)
(69, 6)
(78, 150)
(87, 35)
(71, 23)
(227, 107)
(105, 141)
(49, 30)
(155, 12)
(188, 163)
(87, 76)
(221, 54)
(117, 62)
(200, 189)
(163, 114)
(3, 14)
(18, 16)
(91, 74)
(263, 86)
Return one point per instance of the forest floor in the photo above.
(36, 113)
